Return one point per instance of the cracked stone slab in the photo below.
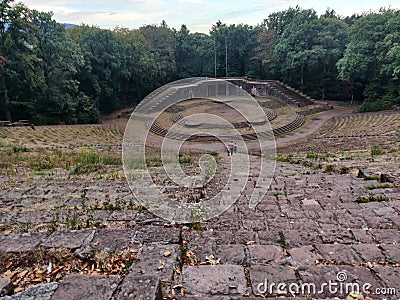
(308, 203)
(157, 260)
(203, 238)
(231, 254)
(77, 287)
(369, 252)
(126, 215)
(386, 236)
(37, 292)
(67, 239)
(146, 287)
(265, 254)
(114, 240)
(21, 242)
(363, 236)
(349, 221)
(256, 225)
(390, 277)
(297, 238)
(318, 279)
(339, 253)
(157, 235)
(304, 256)
(243, 237)
(392, 252)
(332, 235)
(278, 224)
(213, 280)
(268, 237)
(262, 277)
(304, 224)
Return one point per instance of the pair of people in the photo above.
(232, 148)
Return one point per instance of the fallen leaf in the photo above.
(369, 265)
(177, 286)
(55, 271)
(167, 253)
(212, 260)
(84, 266)
(9, 264)
(162, 266)
(95, 244)
(18, 289)
(247, 294)
(22, 274)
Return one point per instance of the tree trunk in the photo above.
(6, 101)
(302, 77)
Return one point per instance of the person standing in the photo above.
(230, 148)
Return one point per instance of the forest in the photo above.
(53, 75)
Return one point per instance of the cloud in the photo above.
(191, 1)
(202, 28)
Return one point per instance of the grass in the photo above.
(197, 225)
(154, 162)
(214, 153)
(373, 177)
(329, 169)
(185, 160)
(86, 160)
(372, 199)
(376, 150)
(312, 155)
(282, 241)
(285, 158)
(378, 186)
(19, 148)
(85, 169)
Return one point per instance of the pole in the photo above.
(215, 60)
(226, 57)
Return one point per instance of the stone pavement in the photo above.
(309, 230)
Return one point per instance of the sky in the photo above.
(197, 15)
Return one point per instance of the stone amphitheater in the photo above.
(70, 227)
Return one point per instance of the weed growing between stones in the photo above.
(312, 155)
(372, 199)
(282, 241)
(376, 150)
(378, 186)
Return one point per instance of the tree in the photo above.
(370, 63)
(194, 54)
(160, 41)
(18, 68)
(58, 59)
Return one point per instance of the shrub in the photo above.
(375, 150)
(329, 169)
(313, 155)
